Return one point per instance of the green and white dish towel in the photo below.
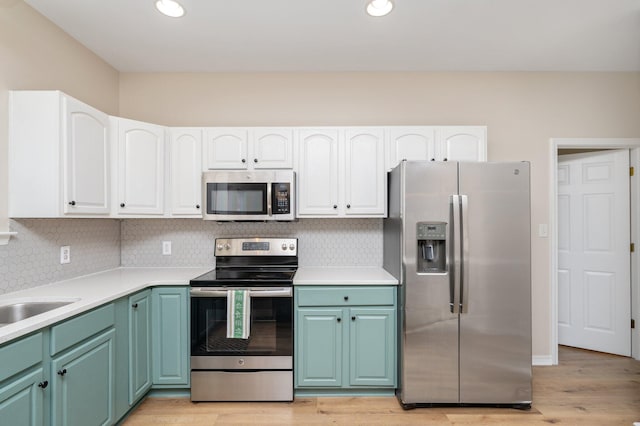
(238, 313)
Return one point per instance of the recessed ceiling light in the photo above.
(170, 8)
(379, 7)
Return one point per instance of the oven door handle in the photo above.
(253, 292)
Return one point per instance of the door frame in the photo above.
(633, 144)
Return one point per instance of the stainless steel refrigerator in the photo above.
(458, 240)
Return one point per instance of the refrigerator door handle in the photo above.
(456, 250)
(464, 285)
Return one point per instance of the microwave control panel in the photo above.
(281, 198)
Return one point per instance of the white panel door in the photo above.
(140, 168)
(86, 158)
(186, 177)
(365, 179)
(594, 290)
(226, 148)
(410, 143)
(318, 173)
(462, 143)
(272, 148)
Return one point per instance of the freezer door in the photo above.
(495, 319)
(429, 335)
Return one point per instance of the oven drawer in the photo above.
(242, 386)
(345, 296)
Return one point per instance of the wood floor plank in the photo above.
(587, 388)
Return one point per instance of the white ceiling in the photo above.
(337, 35)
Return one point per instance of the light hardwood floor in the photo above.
(587, 388)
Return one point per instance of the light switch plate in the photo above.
(65, 254)
(543, 230)
(166, 248)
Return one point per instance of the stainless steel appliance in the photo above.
(249, 195)
(259, 368)
(458, 239)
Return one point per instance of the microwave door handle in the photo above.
(269, 209)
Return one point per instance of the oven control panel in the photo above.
(256, 247)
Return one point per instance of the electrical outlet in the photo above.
(166, 248)
(65, 254)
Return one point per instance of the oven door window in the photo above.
(237, 198)
(271, 329)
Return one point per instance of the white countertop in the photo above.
(90, 291)
(343, 276)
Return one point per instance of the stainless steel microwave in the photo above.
(249, 195)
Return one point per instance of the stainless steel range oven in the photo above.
(257, 364)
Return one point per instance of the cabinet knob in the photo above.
(433, 159)
(353, 318)
(346, 298)
(72, 203)
(134, 306)
(62, 372)
(348, 206)
(444, 159)
(43, 385)
(255, 160)
(244, 161)
(335, 206)
(339, 319)
(197, 206)
(121, 204)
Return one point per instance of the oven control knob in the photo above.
(292, 247)
(241, 361)
(284, 246)
(227, 246)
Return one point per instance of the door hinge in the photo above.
(633, 323)
(631, 171)
(633, 247)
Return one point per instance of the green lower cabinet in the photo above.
(22, 400)
(170, 337)
(345, 347)
(319, 347)
(139, 308)
(83, 383)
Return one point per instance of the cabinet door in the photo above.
(365, 179)
(462, 143)
(139, 345)
(272, 148)
(170, 330)
(372, 346)
(318, 173)
(83, 383)
(140, 168)
(22, 400)
(226, 148)
(86, 158)
(410, 143)
(319, 347)
(186, 175)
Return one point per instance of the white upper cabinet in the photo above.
(436, 143)
(271, 148)
(59, 160)
(462, 143)
(248, 148)
(318, 173)
(410, 143)
(226, 148)
(365, 178)
(186, 177)
(140, 168)
(341, 173)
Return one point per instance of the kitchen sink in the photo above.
(18, 311)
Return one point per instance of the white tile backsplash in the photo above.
(321, 242)
(32, 258)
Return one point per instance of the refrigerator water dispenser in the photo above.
(432, 247)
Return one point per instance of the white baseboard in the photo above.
(541, 360)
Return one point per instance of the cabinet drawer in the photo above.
(20, 355)
(75, 330)
(345, 296)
